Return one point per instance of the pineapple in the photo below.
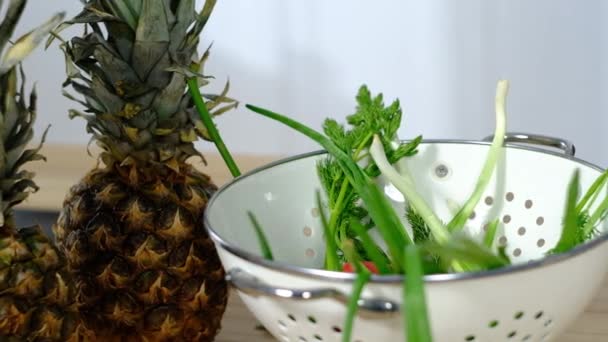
(132, 228)
(36, 296)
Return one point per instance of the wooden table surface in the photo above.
(67, 164)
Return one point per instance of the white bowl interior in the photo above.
(527, 193)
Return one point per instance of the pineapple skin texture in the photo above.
(36, 291)
(36, 296)
(132, 231)
(144, 267)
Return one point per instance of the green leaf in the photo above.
(463, 215)
(134, 7)
(185, 16)
(592, 192)
(331, 255)
(415, 312)
(420, 229)
(462, 251)
(167, 102)
(372, 250)
(151, 38)
(114, 68)
(588, 229)
(203, 17)
(264, 246)
(221, 98)
(570, 231)
(214, 134)
(337, 134)
(380, 210)
(11, 19)
(31, 154)
(28, 42)
(122, 10)
(224, 109)
(186, 71)
(490, 235)
(353, 304)
(405, 150)
(406, 186)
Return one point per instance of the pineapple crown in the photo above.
(131, 66)
(16, 116)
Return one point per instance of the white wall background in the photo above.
(441, 58)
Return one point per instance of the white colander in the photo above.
(533, 300)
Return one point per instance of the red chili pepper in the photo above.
(348, 267)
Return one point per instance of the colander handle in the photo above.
(249, 284)
(537, 139)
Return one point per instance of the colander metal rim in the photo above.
(389, 279)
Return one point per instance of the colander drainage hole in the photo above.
(302, 339)
(470, 338)
(489, 200)
(512, 334)
(527, 337)
(502, 240)
(548, 323)
(538, 315)
(318, 337)
(493, 324)
(336, 329)
(310, 252)
(519, 315)
(282, 325)
(312, 319)
(291, 317)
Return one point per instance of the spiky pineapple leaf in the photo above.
(28, 42)
(121, 10)
(12, 16)
(151, 38)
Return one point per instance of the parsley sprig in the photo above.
(371, 118)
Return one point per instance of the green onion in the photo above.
(264, 246)
(210, 126)
(488, 239)
(592, 192)
(353, 304)
(488, 168)
(465, 254)
(331, 259)
(415, 314)
(570, 231)
(370, 247)
(598, 214)
(406, 187)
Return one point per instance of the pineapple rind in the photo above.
(36, 292)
